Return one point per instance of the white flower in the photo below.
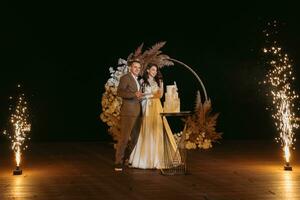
(118, 74)
(111, 70)
(123, 69)
(118, 77)
(122, 62)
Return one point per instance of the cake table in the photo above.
(178, 165)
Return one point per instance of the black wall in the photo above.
(61, 53)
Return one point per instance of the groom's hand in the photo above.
(139, 94)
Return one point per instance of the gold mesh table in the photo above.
(178, 164)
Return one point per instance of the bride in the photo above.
(154, 149)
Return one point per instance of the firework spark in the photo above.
(20, 127)
(279, 78)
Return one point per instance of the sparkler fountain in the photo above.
(279, 78)
(19, 130)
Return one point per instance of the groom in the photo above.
(129, 90)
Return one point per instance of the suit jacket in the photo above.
(127, 88)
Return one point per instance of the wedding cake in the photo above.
(172, 102)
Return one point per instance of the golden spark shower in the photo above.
(279, 79)
(19, 128)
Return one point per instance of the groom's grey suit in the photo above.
(130, 115)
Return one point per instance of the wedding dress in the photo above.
(154, 149)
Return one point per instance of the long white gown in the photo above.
(154, 149)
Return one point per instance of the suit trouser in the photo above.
(130, 129)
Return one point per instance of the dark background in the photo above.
(61, 53)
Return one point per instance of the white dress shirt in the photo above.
(136, 81)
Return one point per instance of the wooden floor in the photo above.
(249, 170)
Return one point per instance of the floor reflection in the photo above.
(289, 186)
(18, 187)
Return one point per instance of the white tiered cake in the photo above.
(172, 102)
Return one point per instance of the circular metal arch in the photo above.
(194, 73)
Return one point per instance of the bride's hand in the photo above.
(156, 95)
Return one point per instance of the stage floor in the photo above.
(249, 170)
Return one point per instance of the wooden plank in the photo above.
(231, 170)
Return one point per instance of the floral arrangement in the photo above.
(200, 128)
(111, 103)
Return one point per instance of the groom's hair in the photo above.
(130, 62)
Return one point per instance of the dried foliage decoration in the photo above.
(152, 55)
(201, 126)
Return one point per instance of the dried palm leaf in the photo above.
(154, 50)
(138, 51)
(152, 55)
(137, 54)
(202, 124)
(163, 60)
(198, 100)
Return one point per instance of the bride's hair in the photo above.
(157, 78)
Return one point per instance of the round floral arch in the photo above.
(200, 128)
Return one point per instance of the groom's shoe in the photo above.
(118, 167)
